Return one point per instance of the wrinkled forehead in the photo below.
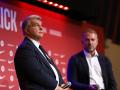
(34, 21)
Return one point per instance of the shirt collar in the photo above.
(36, 43)
(89, 55)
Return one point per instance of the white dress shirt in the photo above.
(95, 73)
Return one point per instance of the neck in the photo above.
(92, 53)
(33, 38)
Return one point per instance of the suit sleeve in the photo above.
(111, 80)
(72, 75)
(28, 64)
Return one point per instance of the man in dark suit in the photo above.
(89, 70)
(34, 68)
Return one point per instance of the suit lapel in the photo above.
(38, 53)
(84, 63)
(101, 61)
(43, 59)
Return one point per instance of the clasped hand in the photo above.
(60, 87)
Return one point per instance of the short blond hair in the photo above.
(89, 30)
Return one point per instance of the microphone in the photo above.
(68, 84)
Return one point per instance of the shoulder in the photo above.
(25, 46)
(26, 43)
(79, 54)
(76, 57)
(104, 58)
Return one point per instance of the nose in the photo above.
(41, 28)
(90, 42)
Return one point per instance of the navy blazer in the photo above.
(78, 72)
(33, 71)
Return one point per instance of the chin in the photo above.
(41, 35)
(91, 50)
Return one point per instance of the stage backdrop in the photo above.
(61, 40)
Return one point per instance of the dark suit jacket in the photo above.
(32, 70)
(78, 72)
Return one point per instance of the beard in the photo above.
(90, 49)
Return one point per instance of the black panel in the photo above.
(80, 9)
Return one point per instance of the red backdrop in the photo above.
(62, 38)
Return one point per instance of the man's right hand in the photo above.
(60, 88)
(93, 87)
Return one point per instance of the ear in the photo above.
(26, 31)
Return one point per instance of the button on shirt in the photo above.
(53, 68)
(95, 73)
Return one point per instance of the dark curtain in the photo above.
(109, 18)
